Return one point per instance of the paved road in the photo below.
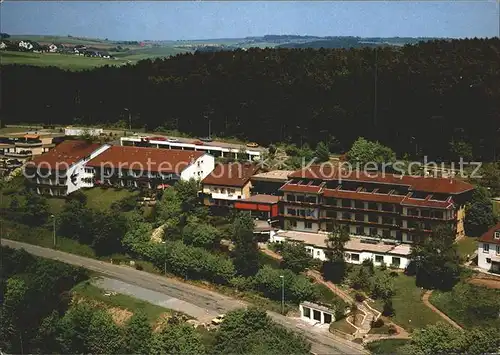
(190, 299)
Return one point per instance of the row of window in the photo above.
(301, 212)
(486, 248)
(223, 190)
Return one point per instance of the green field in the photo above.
(467, 246)
(410, 311)
(387, 346)
(64, 61)
(102, 199)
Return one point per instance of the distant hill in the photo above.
(350, 42)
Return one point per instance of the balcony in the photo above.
(223, 196)
(29, 144)
(19, 154)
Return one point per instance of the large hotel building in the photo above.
(384, 206)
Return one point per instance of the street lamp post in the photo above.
(165, 258)
(54, 228)
(129, 119)
(282, 294)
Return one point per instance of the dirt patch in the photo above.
(161, 322)
(120, 316)
(490, 283)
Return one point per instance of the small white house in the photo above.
(356, 249)
(25, 45)
(488, 253)
(52, 48)
(3, 45)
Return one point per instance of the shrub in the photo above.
(394, 274)
(359, 297)
(392, 330)
(383, 266)
(388, 309)
(378, 323)
(139, 267)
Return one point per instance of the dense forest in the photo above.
(415, 99)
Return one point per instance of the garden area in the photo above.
(470, 305)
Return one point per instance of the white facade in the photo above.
(224, 192)
(199, 169)
(396, 258)
(82, 131)
(210, 148)
(488, 255)
(3, 45)
(70, 181)
(52, 48)
(25, 45)
(316, 314)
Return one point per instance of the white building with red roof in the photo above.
(150, 168)
(61, 171)
(488, 250)
(380, 205)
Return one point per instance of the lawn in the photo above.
(496, 207)
(342, 326)
(387, 346)
(102, 199)
(89, 291)
(466, 304)
(63, 61)
(43, 237)
(410, 311)
(467, 246)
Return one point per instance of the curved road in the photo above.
(193, 300)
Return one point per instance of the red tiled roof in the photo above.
(261, 198)
(301, 188)
(64, 155)
(428, 184)
(363, 196)
(489, 236)
(232, 174)
(146, 159)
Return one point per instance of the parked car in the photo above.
(197, 142)
(206, 139)
(218, 320)
(252, 145)
(172, 140)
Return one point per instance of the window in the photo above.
(346, 216)
(291, 212)
(346, 203)
(360, 230)
(426, 213)
(486, 248)
(300, 198)
(387, 207)
(373, 231)
(379, 259)
(359, 217)
(310, 199)
(498, 249)
(290, 198)
(347, 256)
(354, 257)
(317, 253)
(388, 220)
(293, 223)
(488, 260)
(331, 201)
(307, 312)
(386, 233)
(409, 238)
(373, 218)
(497, 235)
(396, 261)
(308, 225)
(359, 204)
(412, 212)
(372, 206)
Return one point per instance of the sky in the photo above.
(169, 20)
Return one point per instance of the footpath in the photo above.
(425, 299)
(369, 313)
